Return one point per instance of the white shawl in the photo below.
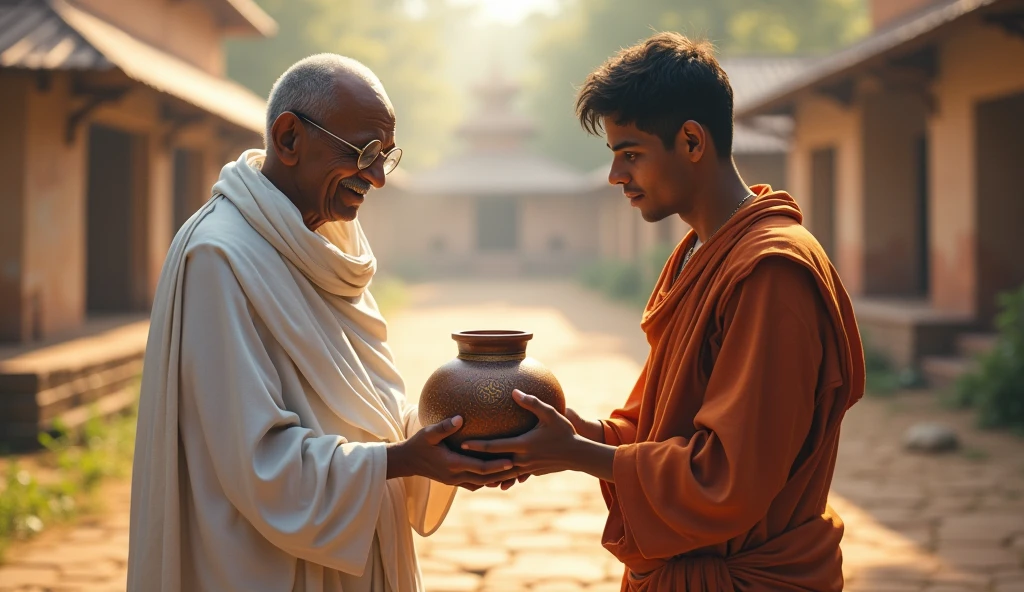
(343, 355)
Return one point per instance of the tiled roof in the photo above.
(764, 139)
(32, 36)
(834, 68)
(55, 35)
(753, 77)
(246, 17)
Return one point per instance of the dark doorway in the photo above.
(823, 199)
(497, 224)
(922, 246)
(188, 191)
(111, 215)
(1000, 239)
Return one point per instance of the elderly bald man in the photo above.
(276, 450)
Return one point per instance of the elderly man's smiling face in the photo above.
(330, 172)
(325, 181)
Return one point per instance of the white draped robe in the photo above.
(268, 396)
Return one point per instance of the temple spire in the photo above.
(495, 126)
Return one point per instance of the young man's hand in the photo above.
(552, 446)
(592, 430)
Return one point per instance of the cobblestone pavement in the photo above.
(914, 523)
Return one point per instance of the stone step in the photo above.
(972, 345)
(95, 372)
(942, 372)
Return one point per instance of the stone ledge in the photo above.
(94, 369)
(909, 330)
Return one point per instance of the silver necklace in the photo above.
(693, 247)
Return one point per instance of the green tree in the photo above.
(587, 32)
(405, 51)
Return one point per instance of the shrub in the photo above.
(995, 389)
(618, 280)
(882, 379)
(627, 281)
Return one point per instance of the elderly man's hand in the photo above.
(424, 454)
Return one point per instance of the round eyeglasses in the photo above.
(367, 154)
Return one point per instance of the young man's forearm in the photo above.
(594, 458)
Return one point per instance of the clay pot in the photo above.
(478, 386)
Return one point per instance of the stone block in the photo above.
(930, 437)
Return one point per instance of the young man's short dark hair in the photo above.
(658, 85)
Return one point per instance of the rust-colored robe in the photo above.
(727, 444)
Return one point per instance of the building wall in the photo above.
(559, 233)
(821, 122)
(766, 168)
(617, 225)
(875, 139)
(893, 122)
(184, 28)
(14, 91)
(54, 192)
(967, 75)
(1000, 201)
(141, 112)
(419, 235)
(568, 220)
(623, 233)
(43, 270)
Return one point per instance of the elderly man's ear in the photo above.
(286, 138)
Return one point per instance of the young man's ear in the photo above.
(692, 140)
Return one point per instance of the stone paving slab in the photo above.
(952, 523)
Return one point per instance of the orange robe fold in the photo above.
(727, 444)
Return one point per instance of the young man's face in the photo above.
(657, 181)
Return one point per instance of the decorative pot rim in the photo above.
(492, 341)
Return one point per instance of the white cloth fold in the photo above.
(267, 396)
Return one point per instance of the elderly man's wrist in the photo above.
(398, 460)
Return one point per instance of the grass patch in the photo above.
(975, 454)
(883, 379)
(623, 281)
(58, 483)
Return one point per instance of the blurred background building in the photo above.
(896, 124)
(501, 207)
(115, 118)
(494, 208)
(904, 157)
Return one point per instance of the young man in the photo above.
(717, 468)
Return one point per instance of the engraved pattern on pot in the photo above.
(490, 391)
